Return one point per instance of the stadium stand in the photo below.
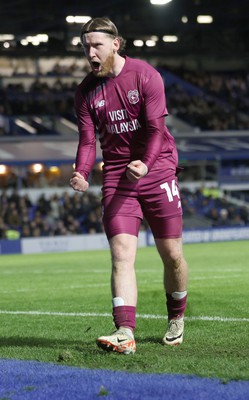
(207, 101)
(74, 214)
(33, 105)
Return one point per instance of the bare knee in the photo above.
(123, 250)
(173, 259)
(171, 252)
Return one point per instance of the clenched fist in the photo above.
(78, 182)
(136, 170)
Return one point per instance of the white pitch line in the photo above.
(142, 316)
(90, 285)
(204, 278)
(140, 282)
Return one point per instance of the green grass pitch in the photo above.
(54, 306)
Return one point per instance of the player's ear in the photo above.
(116, 45)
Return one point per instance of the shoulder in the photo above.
(87, 85)
(141, 66)
(148, 78)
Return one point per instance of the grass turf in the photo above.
(60, 287)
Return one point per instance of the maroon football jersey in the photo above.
(120, 110)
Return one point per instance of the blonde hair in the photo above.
(104, 25)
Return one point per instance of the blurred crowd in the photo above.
(81, 213)
(220, 101)
(214, 207)
(39, 99)
(53, 216)
(206, 100)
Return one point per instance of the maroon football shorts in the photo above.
(158, 200)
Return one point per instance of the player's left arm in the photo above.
(155, 112)
(135, 170)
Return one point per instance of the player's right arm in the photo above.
(86, 152)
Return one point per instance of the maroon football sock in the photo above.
(175, 307)
(124, 316)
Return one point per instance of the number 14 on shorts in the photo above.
(171, 189)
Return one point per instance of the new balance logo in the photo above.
(179, 204)
(100, 103)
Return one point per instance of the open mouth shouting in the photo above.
(102, 68)
(96, 66)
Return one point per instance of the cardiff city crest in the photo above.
(133, 96)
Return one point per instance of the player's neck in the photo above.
(117, 66)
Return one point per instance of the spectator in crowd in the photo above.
(4, 128)
(3, 228)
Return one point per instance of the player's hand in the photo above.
(78, 182)
(136, 170)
